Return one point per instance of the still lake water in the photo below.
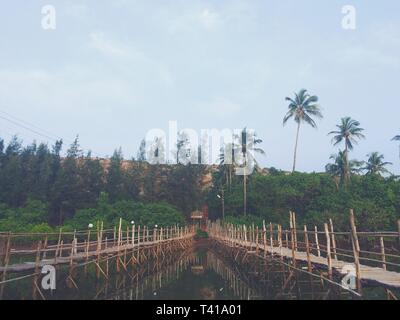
(199, 274)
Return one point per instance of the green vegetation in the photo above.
(41, 190)
(315, 197)
(201, 234)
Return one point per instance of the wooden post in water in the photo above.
(292, 240)
(382, 243)
(280, 241)
(287, 239)
(398, 230)
(333, 239)
(265, 238)
(58, 245)
(295, 230)
(317, 241)
(271, 238)
(328, 250)
(6, 261)
(257, 239)
(36, 276)
(356, 249)
(133, 235)
(307, 249)
(119, 244)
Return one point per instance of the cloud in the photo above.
(105, 46)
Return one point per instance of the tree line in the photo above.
(39, 185)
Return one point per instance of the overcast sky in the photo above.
(113, 70)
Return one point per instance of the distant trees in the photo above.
(340, 168)
(375, 164)
(303, 108)
(247, 146)
(349, 132)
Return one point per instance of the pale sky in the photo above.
(113, 70)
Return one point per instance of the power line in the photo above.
(34, 129)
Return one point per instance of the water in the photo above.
(200, 274)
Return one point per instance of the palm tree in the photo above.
(348, 131)
(338, 168)
(397, 138)
(375, 164)
(302, 108)
(247, 147)
(227, 161)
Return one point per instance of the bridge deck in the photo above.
(21, 267)
(368, 273)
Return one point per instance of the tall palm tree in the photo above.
(375, 164)
(349, 132)
(247, 146)
(227, 161)
(302, 108)
(338, 168)
(397, 138)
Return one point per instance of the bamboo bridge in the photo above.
(371, 258)
(321, 250)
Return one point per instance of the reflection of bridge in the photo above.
(316, 249)
(128, 246)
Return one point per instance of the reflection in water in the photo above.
(202, 274)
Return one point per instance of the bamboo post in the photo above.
(356, 249)
(398, 230)
(105, 248)
(58, 244)
(257, 239)
(317, 241)
(328, 250)
(295, 229)
(271, 238)
(333, 239)
(245, 234)
(6, 260)
(292, 240)
(307, 249)
(382, 243)
(36, 276)
(61, 248)
(280, 240)
(265, 238)
(286, 239)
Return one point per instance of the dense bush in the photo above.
(315, 198)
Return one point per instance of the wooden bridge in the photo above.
(325, 249)
(371, 257)
(126, 247)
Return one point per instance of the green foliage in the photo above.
(201, 234)
(315, 198)
(160, 214)
(244, 220)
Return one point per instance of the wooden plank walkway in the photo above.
(373, 274)
(27, 266)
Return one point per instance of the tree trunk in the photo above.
(244, 187)
(347, 169)
(244, 193)
(295, 147)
